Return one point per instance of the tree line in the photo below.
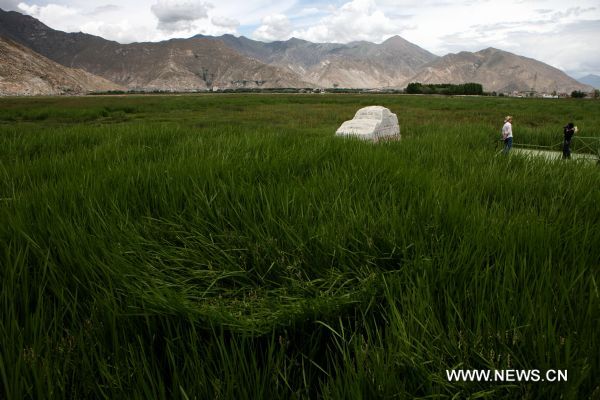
(445, 88)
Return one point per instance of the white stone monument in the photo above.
(373, 123)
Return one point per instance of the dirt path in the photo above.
(555, 155)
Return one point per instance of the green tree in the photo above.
(473, 88)
(414, 88)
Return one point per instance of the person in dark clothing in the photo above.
(569, 130)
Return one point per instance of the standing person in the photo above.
(507, 134)
(569, 130)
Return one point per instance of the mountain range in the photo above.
(353, 65)
(592, 80)
(498, 71)
(205, 62)
(174, 65)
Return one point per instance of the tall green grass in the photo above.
(231, 247)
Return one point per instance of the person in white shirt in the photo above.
(507, 134)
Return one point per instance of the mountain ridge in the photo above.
(24, 72)
(498, 70)
(172, 65)
(355, 65)
(228, 61)
(591, 79)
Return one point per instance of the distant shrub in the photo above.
(578, 94)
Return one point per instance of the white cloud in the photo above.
(561, 38)
(107, 8)
(9, 5)
(568, 48)
(50, 11)
(355, 20)
(572, 12)
(307, 12)
(225, 22)
(274, 27)
(108, 21)
(178, 15)
(123, 31)
(251, 12)
(54, 15)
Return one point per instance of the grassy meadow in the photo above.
(230, 247)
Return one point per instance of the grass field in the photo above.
(229, 247)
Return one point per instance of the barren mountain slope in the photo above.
(352, 65)
(182, 64)
(24, 72)
(499, 71)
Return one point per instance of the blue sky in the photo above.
(563, 34)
